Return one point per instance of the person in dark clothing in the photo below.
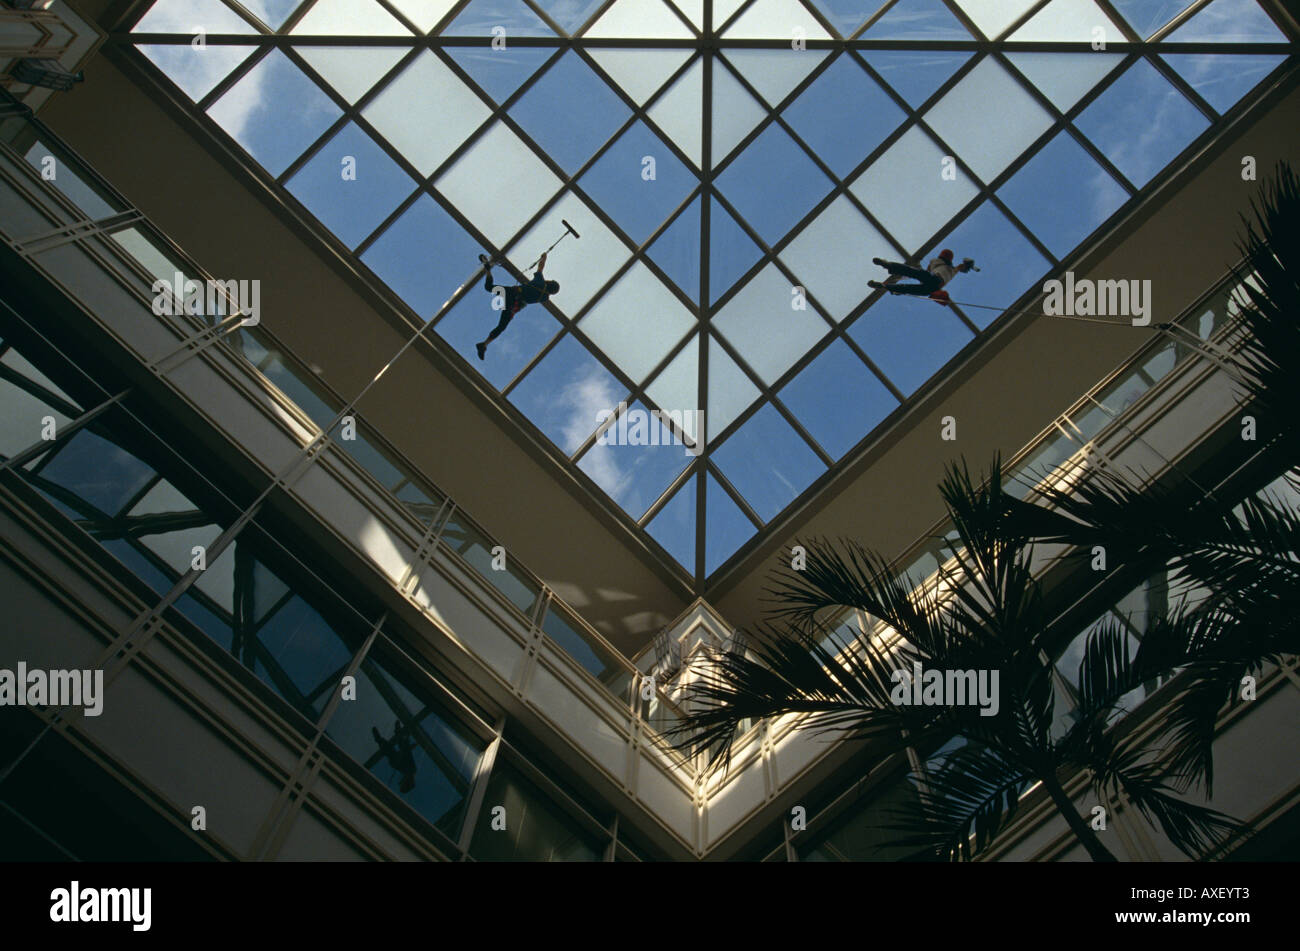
(930, 281)
(517, 296)
(399, 753)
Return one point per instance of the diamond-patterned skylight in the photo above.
(732, 166)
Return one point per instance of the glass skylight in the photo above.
(732, 167)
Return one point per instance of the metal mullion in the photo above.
(1024, 18)
(36, 390)
(657, 505)
(296, 17)
(712, 29)
(699, 467)
(482, 774)
(593, 19)
(643, 112)
(798, 427)
(433, 41)
(134, 500)
(250, 62)
(536, 776)
(1067, 117)
(741, 503)
(1179, 20)
(1172, 77)
(637, 392)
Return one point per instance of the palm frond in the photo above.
(974, 794)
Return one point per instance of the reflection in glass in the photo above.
(536, 828)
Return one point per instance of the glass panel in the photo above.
(917, 20)
(735, 112)
(640, 72)
(638, 194)
(153, 260)
(351, 70)
(16, 361)
(764, 326)
(536, 829)
(1141, 122)
(731, 251)
(1229, 21)
(94, 469)
(196, 72)
(424, 256)
(417, 751)
(520, 183)
(572, 637)
(635, 460)
(68, 180)
(909, 343)
(271, 12)
(1074, 21)
(351, 185)
(500, 71)
(694, 10)
(305, 391)
(994, 16)
(676, 388)
(907, 192)
(1064, 78)
(637, 322)
(773, 183)
(640, 19)
(286, 641)
(349, 18)
(425, 14)
(827, 256)
(726, 527)
(565, 394)
(481, 16)
(674, 526)
(1010, 263)
(546, 112)
(21, 423)
(847, 15)
(774, 73)
(1147, 16)
(775, 20)
(476, 549)
(275, 137)
(189, 16)
(768, 462)
(1062, 217)
(570, 14)
(961, 119)
(730, 390)
(1222, 80)
(916, 74)
(677, 250)
(838, 399)
(426, 112)
(679, 112)
(818, 115)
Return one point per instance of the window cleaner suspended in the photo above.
(930, 281)
(517, 296)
